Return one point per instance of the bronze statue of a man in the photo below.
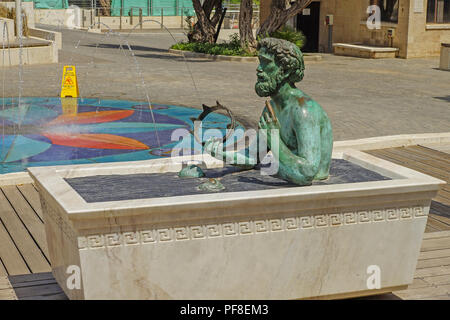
(305, 139)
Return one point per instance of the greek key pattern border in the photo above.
(246, 228)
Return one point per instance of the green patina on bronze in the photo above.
(212, 185)
(304, 129)
(191, 171)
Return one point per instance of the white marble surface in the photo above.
(287, 258)
(272, 244)
(15, 178)
(402, 140)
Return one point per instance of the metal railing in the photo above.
(148, 8)
(92, 11)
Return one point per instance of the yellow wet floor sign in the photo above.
(69, 86)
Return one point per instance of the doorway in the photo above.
(308, 23)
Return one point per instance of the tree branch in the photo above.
(279, 15)
(297, 7)
(204, 29)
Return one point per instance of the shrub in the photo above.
(227, 48)
(289, 34)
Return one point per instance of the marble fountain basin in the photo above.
(279, 242)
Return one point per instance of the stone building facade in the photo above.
(416, 27)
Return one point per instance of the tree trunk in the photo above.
(202, 33)
(279, 15)
(245, 25)
(205, 27)
(106, 7)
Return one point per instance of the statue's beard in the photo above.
(266, 86)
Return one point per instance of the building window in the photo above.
(388, 9)
(438, 11)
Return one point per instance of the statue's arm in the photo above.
(301, 168)
(245, 158)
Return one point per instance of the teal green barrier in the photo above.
(50, 4)
(152, 7)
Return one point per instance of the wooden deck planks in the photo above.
(30, 193)
(438, 280)
(439, 147)
(40, 286)
(28, 216)
(445, 192)
(442, 253)
(11, 258)
(439, 218)
(435, 244)
(433, 271)
(436, 224)
(439, 198)
(6, 290)
(432, 162)
(432, 276)
(441, 210)
(428, 228)
(402, 159)
(3, 272)
(437, 262)
(425, 293)
(421, 159)
(21, 238)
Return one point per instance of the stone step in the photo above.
(364, 51)
(26, 43)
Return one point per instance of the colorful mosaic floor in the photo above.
(49, 131)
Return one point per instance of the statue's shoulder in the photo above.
(300, 99)
(304, 106)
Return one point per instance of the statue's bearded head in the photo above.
(280, 62)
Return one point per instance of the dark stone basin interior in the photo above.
(154, 185)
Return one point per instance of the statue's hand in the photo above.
(213, 146)
(269, 127)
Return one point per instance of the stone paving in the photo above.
(364, 98)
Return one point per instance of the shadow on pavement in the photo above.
(116, 46)
(446, 98)
(157, 53)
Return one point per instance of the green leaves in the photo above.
(289, 34)
(227, 48)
